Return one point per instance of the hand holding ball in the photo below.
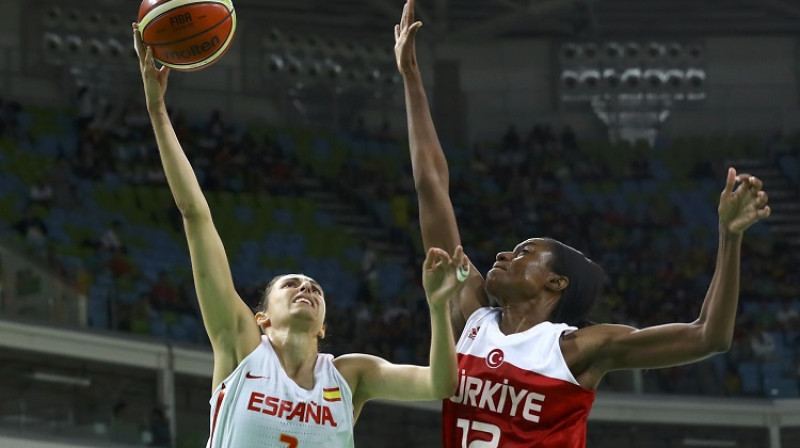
(187, 35)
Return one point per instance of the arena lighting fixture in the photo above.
(332, 69)
(569, 78)
(115, 48)
(274, 39)
(73, 20)
(313, 67)
(294, 66)
(695, 51)
(53, 43)
(674, 50)
(696, 77)
(655, 50)
(570, 51)
(94, 22)
(112, 24)
(611, 77)
(655, 77)
(275, 63)
(96, 48)
(631, 77)
(57, 378)
(74, 44)
(52, 17)
(675, 78)
(589, 51)
(614, 50)
(590, 78)
(632, 50)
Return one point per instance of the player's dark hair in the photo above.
(586, 280)
(264, 302)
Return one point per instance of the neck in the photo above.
(520, 316)
(297, 353)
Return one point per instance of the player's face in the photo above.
(297, 298)
(520, 274)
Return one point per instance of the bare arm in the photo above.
(431, 175)
(621, 347)
(230, 324)
(378, 378)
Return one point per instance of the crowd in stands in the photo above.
(630, 214)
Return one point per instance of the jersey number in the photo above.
(487, 428)
(290, 441)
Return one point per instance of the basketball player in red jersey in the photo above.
(271, 387)
(528, 368)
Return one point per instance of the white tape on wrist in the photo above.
(462, 273)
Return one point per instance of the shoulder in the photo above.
(595, 336)
(353, 365)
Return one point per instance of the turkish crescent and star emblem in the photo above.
(495, 358)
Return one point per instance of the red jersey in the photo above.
(514, 390)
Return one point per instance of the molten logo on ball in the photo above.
(193, 51)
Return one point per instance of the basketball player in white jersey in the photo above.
(529, 367)
(271, 387)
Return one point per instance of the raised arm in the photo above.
(378, 378)
(229, 322)
(431, 175)
(621, 347)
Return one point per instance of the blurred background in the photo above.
(607, 124)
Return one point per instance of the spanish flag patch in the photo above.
(331, 394)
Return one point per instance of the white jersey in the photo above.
(259, 406)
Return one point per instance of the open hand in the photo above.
(405, 51)
(154, 79)
(744, 205)
(443, 276)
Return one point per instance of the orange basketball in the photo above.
(187, 35)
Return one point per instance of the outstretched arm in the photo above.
(230, 324)
(431, 176)
(623, 347)
(443, 279)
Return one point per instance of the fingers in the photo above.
(730, 181)
(761, 199)
(396, 33)
(756, 183)
(412, 31)
(138, 45)
(436, 258)
(763, 212)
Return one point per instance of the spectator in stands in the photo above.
(164, 295)
(787, 317)
(41, 193)
(33, 229)
(110, 239)
(511, 139)
(569, 142)
(160, 428)
(762, 344)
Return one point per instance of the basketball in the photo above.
(187, 35)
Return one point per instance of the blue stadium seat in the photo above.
(749, 377)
